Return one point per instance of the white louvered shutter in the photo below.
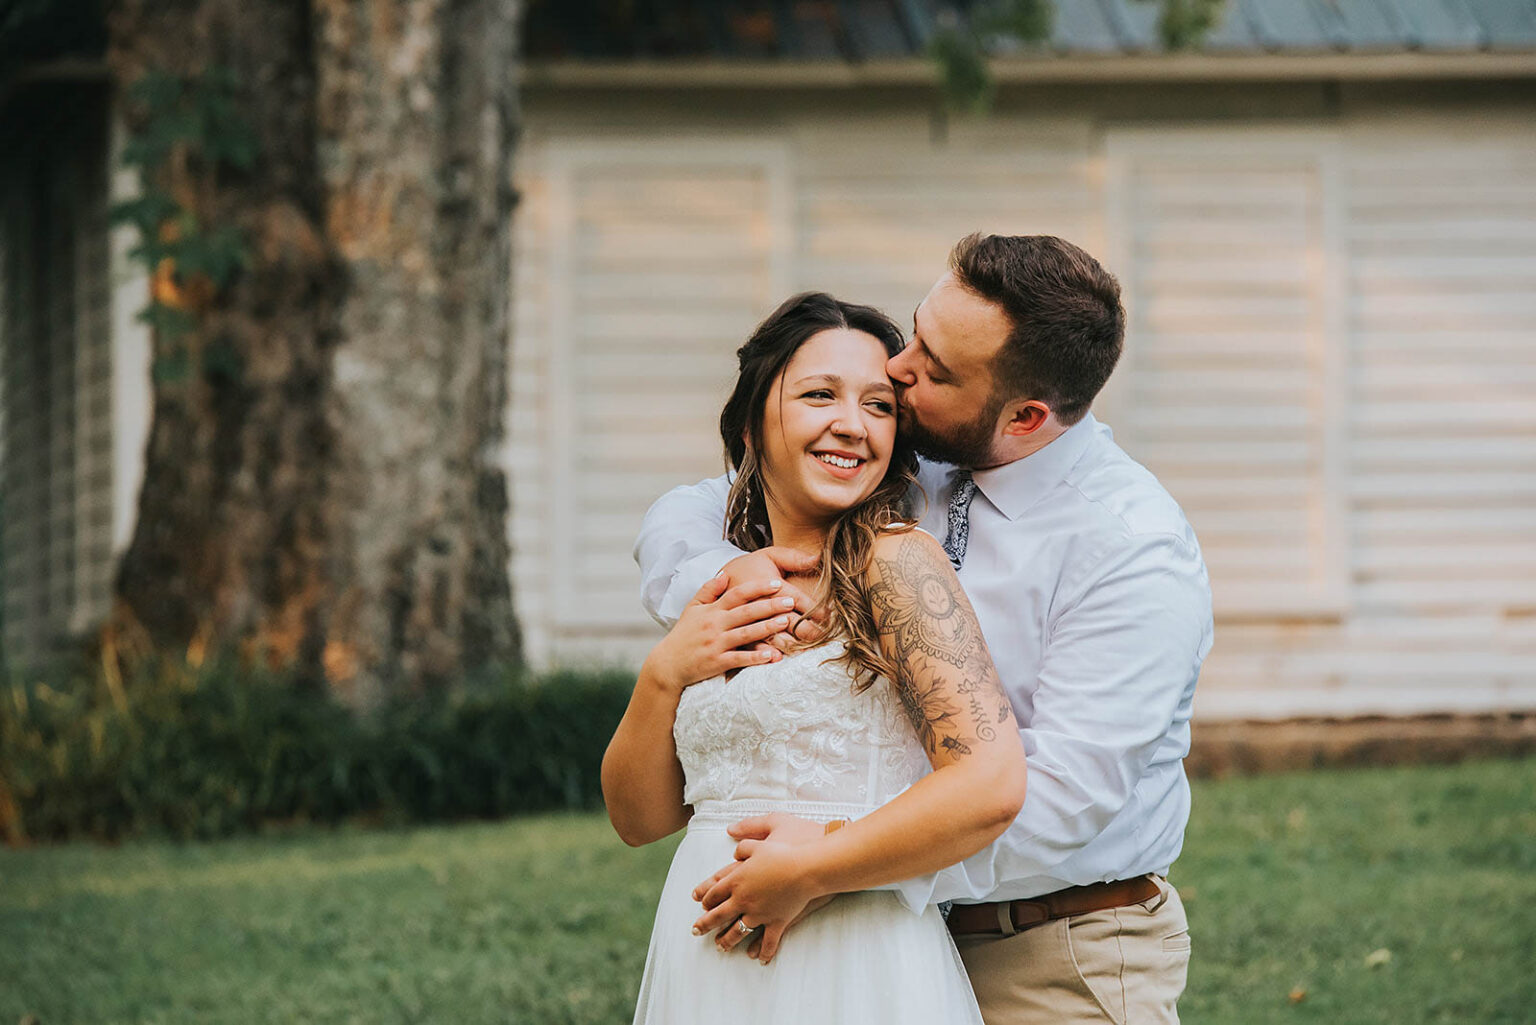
(663, 260)
(1442, 251)
(881, 204)
(1230, 381)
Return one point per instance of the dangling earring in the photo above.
(746, 505)
(738, 502)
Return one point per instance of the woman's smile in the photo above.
(842, 465)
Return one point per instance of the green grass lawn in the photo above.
(1294, 884)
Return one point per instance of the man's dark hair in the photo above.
(1068, 326)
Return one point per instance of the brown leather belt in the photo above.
(995, 919)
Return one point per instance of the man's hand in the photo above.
(779, 826)
(777, 562)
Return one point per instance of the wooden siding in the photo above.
(878, 205)
(1227, 252)
(658, 260)
(1331, 361)
(1414, 264)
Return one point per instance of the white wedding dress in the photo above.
(793, 736)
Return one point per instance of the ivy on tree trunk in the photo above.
(327, 211)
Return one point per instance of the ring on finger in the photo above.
(742, 928)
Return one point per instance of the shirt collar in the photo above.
(1014, 487)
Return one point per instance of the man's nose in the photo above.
(896, 368)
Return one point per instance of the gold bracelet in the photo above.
(834, 826)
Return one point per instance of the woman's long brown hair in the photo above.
(846, 555)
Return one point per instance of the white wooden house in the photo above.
(1324, 221)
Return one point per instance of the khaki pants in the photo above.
(1125, 965)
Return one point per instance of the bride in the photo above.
(843, 730)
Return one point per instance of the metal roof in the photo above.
(857, 30)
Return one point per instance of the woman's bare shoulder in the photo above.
(910, 547)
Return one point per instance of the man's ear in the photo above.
(1026, 418)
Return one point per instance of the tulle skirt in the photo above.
(864, 959)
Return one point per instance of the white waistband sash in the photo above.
(720, 814)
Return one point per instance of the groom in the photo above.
(1092, 594)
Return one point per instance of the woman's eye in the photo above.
(819, 393)
(883, 406)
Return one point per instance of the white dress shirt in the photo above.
(1093, 598)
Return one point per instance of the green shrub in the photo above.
(497, 748)
(222, 749)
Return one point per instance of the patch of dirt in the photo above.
(1249, 747)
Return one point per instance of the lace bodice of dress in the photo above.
(795, 731)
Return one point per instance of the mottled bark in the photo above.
(231, 541)
(323, 489)
(417, 114)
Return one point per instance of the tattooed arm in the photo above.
(955, 702)
(950, 691)
(945, 677)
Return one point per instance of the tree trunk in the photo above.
(322, 488)
(417, 113)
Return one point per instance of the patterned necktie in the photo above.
(959, 530)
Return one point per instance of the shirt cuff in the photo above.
(915, 894)
(689, 577)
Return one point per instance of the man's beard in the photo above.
(970, 444)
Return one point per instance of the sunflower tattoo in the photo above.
(927, 710)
